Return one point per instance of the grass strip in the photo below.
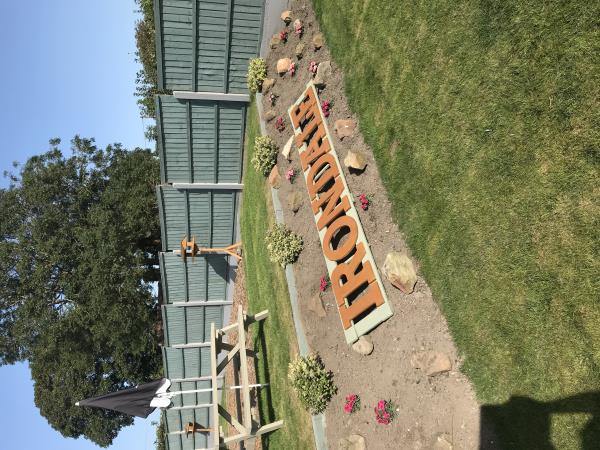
(275, 339)
(484, 118)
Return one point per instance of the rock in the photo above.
(288, 148)
(315, 304)
(286, 16)
(344, 127)
(433, 363)
(364, 345)
(318, 41)
(441, 442)
(283, 65)
(275, 41)
(267, 84)
(275, 178)
(324, 72)
(300, 50)
(295, 200)
(400, 271)
(298, 25)
(353, 442)
(355, 160)
(270, 115)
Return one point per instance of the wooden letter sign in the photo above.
(360, 297)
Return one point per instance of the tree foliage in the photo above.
(147, 78)
(79, 241)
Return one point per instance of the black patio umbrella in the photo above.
(139, 401)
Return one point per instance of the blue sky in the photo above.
(67, 67)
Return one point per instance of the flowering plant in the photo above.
(272, 98)
(352, 403)
(292, 69)
(365, 201)
(312, 67)
(324, 283)
(283, 36)
(279, 124)
(298, 28)
(385, 412)
(326, 107)
(290, 174)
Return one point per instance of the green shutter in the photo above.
(191, 324)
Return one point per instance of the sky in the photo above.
(66, 67)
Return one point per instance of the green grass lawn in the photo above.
(267, 289)
(485, 121)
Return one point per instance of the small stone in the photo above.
(344, 127)
(433, 363)
(283, 65)
(441, 442)
(400, 271)
(355, 160)
(318, 41)
(275, 178)
(364, 345)
(353, 442)
(275, 41)
(270, 115)
(315, 304)
(267, 84)
(323, 73)
(300, 50)
(288, 148)
(286, 16)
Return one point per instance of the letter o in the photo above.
(344, 250)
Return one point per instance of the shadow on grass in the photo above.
(266, 410)
(524, 423)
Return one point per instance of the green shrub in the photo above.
(257, 72)
(265, 154)
(283, 245)
(313, 383)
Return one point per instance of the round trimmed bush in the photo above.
(265, 154)
(312, 382)
(283, 244)
(257, 72)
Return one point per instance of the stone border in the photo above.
(318, 421)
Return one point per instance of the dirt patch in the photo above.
(427, 406)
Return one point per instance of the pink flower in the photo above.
(279, 124)
(381, 405)
(290, 174)
(292, 69)
(283, 36)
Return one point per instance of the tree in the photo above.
(79, 242)
(147, 78)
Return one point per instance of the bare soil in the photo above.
(428, 407)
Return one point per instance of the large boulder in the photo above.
(270, 115)
(275, 41)
(318, 41)
(315, 304)
(364, 345)
(286, 16)
(432, 363)
(324, 72)
(287, 149)
(300, 50)
(344, 127)
(295, 201)
(352, 442)
(267, 84)
(275, 178)
(400, 271)
(355, 160)
(283, 65)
